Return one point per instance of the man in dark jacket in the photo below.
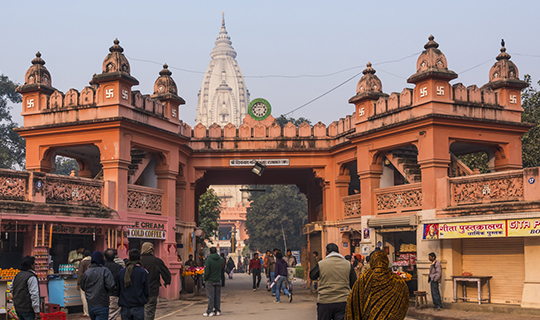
(134, 286)
(156, 269)
(25, 289)
(212, 277)
(114, 309)
(97, 283)
(281, 277)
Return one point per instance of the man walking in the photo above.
(223, 266)
(156, 269)
(281, 277)
(134, 288)
(336, 278)
(270, 271)
(84, 264)
(435, 274)
(291, 266)
(97, 283)
(255, 268)
(25, 289)
(114, 268)
(212, 277)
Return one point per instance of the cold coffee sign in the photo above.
(146, 233)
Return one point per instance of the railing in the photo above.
(144, 200)
(487, 188)
(73, 191)
(352, 205)
(14, 185)
(399, 199)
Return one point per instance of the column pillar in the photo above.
(531, 286)
(116, 171)
(167, 183)
(434, 160)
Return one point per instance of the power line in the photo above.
(322, 95)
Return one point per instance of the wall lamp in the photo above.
(258, 168)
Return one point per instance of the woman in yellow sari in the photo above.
(378, 294)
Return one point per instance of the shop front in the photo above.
(505, 249)
(50, 239)
(397, 237)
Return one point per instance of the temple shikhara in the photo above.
(385, 174)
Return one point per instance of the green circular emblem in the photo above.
(259, 109)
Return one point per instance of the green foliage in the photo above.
(531, 114)
(478, 160)
(280, 206)
(209, 211)
(282, 120)
(64, 166)
(12, 146)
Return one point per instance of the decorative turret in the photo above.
(368, 90)
(504, 72)
(369, 82)
(37, 86)
(432, 77)
(165, 90)
(115, 81)
(432, 63)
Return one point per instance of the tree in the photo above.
(531, 114)
(282, 120)
(209, 212)
(281, 209)
(530, 141)
(12, 146)
(65, 165)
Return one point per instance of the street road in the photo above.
(239, 301)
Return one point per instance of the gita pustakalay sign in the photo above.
(251, 162)
(483, 229)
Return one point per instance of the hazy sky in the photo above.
(272, 38)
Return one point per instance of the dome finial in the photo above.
(38, 60)
(116, 47)
(369, 69)
(503, 55)
(431, 43)
(223, 20)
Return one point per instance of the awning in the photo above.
(402, 223)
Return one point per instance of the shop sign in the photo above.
(523, 227)
(482, 229)
(251, 162)
(11, 226)
(148, 225)
(59, 228)
(146, 233)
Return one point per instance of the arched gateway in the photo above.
(378, 177)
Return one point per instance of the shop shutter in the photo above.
(503, 259)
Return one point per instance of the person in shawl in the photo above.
(134, 288)
(156, 269)
(378, 294)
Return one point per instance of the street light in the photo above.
(258, 168)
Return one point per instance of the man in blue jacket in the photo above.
(134, 286)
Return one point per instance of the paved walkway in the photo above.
(239, 301)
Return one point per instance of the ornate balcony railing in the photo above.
(144, 200)
(352, 205)
(73, 190)
(487, 188)
(399, 199)
(14, 185)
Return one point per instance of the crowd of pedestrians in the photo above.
(109, 287)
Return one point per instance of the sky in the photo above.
(290, 52)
